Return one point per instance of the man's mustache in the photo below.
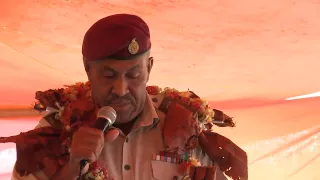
(117, 98)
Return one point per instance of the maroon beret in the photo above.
(119, 36)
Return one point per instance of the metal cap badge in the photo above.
(133, 47)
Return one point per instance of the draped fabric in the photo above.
(246, 63)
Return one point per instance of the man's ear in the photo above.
(86, 67)
(150, 64)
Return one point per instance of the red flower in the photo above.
(173, 95)
(96, 168)
(153, 90)
(185, 100)
(196, 105)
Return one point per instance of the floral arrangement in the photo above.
(96, 172)
(205, 114)
(185, 166)
(187, 98)
(72, 107)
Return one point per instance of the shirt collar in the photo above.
(149, 115)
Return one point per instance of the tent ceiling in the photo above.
(223, 50)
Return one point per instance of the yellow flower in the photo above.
(205, 102)
(185, 94)
(194, 162)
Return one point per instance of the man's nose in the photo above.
(120, 87)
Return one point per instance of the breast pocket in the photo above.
(165, 171)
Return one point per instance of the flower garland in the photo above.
(188, 99)
(64, 102)
(185, 166)
(96, 172)
(73, 107)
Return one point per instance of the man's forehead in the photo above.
(120, 65)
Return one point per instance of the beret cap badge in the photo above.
(133, 47)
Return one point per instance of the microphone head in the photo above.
(107, 112)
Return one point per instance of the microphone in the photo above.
(106, 116)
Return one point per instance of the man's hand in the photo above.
(87, 143)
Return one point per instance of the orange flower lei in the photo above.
(75, 102)
(187, 98)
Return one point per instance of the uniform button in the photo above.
(154, 100)
(127, 139)
(127, 167)
(175, 178)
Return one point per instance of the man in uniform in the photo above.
(116, 57)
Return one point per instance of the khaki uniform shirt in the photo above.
(131, 157)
